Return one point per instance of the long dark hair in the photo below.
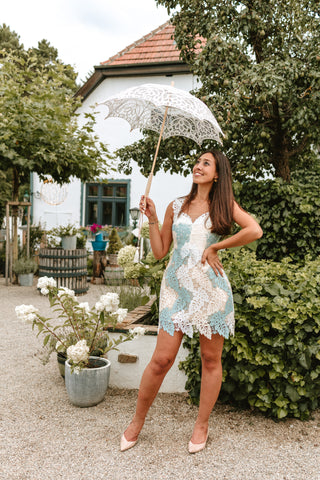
(220, 196)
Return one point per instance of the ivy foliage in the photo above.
(289, 214)
(272, 364)
(259, 70)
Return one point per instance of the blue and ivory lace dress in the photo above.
(193, 298)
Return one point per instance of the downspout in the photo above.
(81, 205)
(31, 197)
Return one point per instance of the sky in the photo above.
(85, 32)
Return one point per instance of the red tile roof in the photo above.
(157, 46)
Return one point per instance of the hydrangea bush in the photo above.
(80, 331)
(148, 271)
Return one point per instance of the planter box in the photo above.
(128, 375)
(135, 355)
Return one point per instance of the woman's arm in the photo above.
(160, 240)
(250, 231)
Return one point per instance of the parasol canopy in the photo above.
(146, 106)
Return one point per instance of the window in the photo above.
(108, 203)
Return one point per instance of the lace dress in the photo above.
(193, 297)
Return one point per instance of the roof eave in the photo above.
(127, 70)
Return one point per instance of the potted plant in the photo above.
(25, 268)
(80, 333)
(114, 246)
(98, 244)
(68, 234)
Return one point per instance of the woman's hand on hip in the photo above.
(211, 256)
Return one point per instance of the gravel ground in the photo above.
(44, 437)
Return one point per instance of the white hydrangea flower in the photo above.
(108, 303)
(144, 232)
(79, 352)
(66, 291)
(137, 331)
(121, 313)
(85, 307)
(99, 306)
(134, 270)
(26, 313)
(126, 255)
(45, 283)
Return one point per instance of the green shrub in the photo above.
(68, 230)
(130, 297)
(289, 214)
(81, 241)
(90, 265)
(24, 265)
(273, 362)
(115, 243)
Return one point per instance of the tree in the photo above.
(38, 124)
(259, 67)
(9, 41)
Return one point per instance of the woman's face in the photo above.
(204, 170)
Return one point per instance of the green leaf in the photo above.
(292, 393)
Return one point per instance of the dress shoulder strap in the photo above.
(176, 206)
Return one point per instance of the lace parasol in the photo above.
(145, 106)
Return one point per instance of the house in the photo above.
(152, 59)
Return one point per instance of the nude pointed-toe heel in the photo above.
(125, 444)
(197, 447)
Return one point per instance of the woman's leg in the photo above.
(211, 379)
(162, 360)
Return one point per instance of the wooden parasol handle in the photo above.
(155, 155)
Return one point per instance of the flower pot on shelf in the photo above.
(99, 237)
(69, 242)
(99, 244)
(88, 387)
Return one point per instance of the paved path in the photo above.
(44, 437)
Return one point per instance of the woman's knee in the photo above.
(210, 360)
(161, 363)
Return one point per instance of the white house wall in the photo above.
(49, 215)
(116, 133)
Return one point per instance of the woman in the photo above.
(195, 291)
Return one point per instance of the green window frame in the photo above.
(108, 203)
